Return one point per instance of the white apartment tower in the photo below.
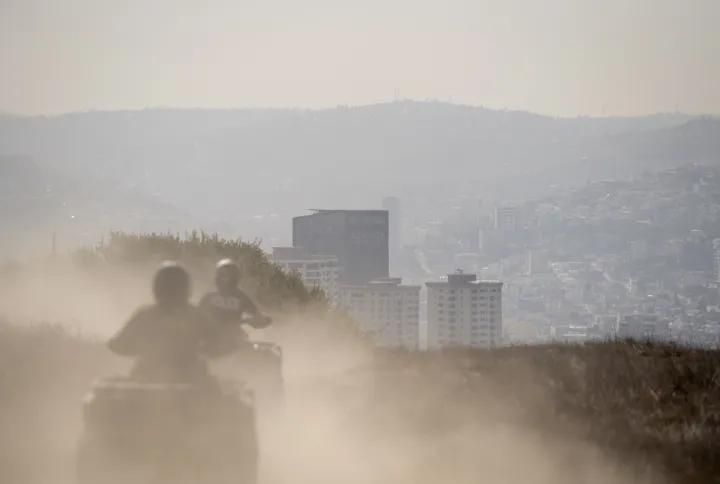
(716, 258)
(387, 308)
(463, 311)
(314, 270)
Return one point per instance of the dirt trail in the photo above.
(332, 432)
(328, 440)
(329, 436)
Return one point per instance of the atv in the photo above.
(139, 432)
(261, 365)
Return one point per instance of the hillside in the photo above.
(694, 141)
(610, 413)
(37, 201)
(245, 162)
(95, 287)
(618, 156)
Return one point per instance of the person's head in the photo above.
(227, 274)
(171, 284)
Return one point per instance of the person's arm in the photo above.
(247, 304)
(259, 320)
(128, 340)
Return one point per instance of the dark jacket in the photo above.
(227, 308)
(169, 341)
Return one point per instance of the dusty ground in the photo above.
(352, 416)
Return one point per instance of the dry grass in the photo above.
(44, 373)
(647, 406)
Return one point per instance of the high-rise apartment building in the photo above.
(463, 311)
(314, 270)
(387, 308)
(358, 238)
(716, 259)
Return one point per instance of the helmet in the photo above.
(227, 274)
(171, 284)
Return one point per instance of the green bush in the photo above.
(268, 283)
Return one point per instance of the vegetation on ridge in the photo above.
(650, 406)
(199, 250)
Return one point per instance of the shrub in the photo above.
(200, 251)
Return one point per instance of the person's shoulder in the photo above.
(143, 308)
(207, 297)
(143, 312)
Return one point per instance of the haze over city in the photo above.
(558, 57)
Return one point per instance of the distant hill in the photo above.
(233, 163)
(697, 140)
(621, 155)
(36, 201)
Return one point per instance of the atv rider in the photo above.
(229, 306)
(170, 337)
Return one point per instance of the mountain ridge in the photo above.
(659, 114)
(222, 164)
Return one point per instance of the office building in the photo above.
(716, 259)
(538, 262)
(358, 238)
(642, 327)
(387, 308)
(463, 311)
(392, 205)
(506, 217)
(314, 270)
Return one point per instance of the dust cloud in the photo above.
(346, 419)
(58, 292)
(358, 425)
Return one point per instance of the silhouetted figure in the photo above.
(228, 306)
(170, 338)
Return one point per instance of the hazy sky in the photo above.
(563, 57)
